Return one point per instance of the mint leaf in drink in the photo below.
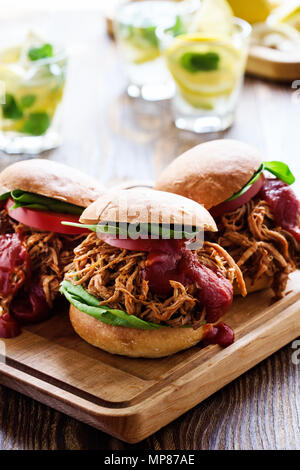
(150, 35)
(43, 52)
(10, 108)
(27, 100)
(37, 123)
(197, 62)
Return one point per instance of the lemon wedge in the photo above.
(281, 37)
(204, 67)
(252, 11)
(213, 16)
(288, 14)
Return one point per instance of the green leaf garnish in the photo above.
(133, 231)
(10, 108)
(89, 304)
(178, 27)
(149, 34)
(197, 62)
(43, 52)
(41, 203)
(27, 100)
(37, 123)
(279, 169)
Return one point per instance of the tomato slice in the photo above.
(42, 220)
(140, 244)
(230, 206)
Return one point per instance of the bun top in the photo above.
(211, 172)
(51, 179)
(143, 205)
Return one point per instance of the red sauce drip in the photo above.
(13, 255)
(220, 334)
(9, 327)
(175, 262)
(284, 205)
(30, 304)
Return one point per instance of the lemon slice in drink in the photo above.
(288, 14)
(204, 67)
(213, 15)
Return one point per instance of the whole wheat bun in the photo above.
(51, 179)
(144, 205)
(133, 342)
(211, 172)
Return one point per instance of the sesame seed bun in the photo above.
(143, 205)
(211, 172)
(51, 179)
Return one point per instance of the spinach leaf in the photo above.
(37, 123)
(197, 62)
(10, 108)
(4, 196)
(134, 230)
(89, 304)
(281, 170)
(43, 52)
(43, 203)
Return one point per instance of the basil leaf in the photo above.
(37, 123)
(43, 52)
(10, 108)
(27, 100)
(281, 170)
(89, 304)
(197, 62)
(43, 203)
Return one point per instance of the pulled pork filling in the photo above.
(258, 245)
(116, 277)
(50, 254)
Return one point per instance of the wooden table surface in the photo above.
(117, 139)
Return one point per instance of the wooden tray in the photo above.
(272, 64)
(132, 398)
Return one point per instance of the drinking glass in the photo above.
(208, 70)
(32, 78)
(135, 30)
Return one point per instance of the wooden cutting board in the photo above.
(133, 398)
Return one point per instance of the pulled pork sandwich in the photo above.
(35, 247)
(137, 285)
(257, 215)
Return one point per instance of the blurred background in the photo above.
(116, 137)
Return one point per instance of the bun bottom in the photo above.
(133, 342)
(264, 282)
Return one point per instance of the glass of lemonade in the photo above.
(208, 70)
(32, 78)
(135, 30)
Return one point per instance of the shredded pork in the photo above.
(114, 276)
(251, 236)
(50, 254)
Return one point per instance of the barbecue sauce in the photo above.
(284, 205)
(177, 263)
